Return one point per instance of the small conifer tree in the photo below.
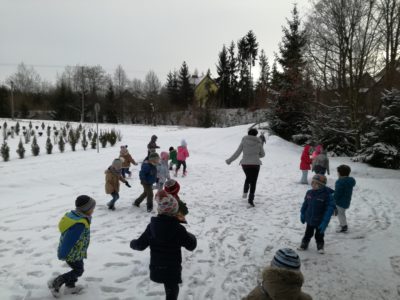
(93, 143)
(21, 149)
(5, 151)
(72, 139)
(49, 146)
(84, 141)
(61, 144)
(35, 147)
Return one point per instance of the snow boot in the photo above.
(303, 246)
(74, 290)
(251, 203)
(110, 206)
(320, 248)
(135, 203)
(184, 174)
(244, 196)
(342, 229)
(149, 209)
(54, 285)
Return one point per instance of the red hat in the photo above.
(172, 187)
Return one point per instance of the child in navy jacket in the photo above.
(343, 192)
(148, 176)
(316, 211)
(166, 236)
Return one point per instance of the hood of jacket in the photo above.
(282, 284)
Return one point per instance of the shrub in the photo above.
(84, 141)
(61, 144)
(21, 149)
(49, 146)
(93, 143)
(72, 139)
(35, 147)
(5, 151)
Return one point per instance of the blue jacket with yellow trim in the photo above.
(75, 237)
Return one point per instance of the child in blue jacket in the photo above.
(148, 176)
(316, 211)
(343, 192)
(74, 242)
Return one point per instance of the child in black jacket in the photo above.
(165, 236)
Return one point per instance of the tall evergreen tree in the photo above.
(111, 110)
(233, 79)
(290, 115)
(172, 86)
(185, 88)
(223, 81)
(264, 78)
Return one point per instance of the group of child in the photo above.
(165, 235)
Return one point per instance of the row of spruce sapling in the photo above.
(66, 134)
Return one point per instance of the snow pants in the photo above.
(72, 276)
(250, 183)
(304, 177)
(171, 291)
(147, 193)
(342, 216)
(183, 163)
(319, 236)
(125, 171)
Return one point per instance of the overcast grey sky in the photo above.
(140, 35)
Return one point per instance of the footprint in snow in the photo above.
(115, 264)
(395, 263)
(112, 289)
(93, 279)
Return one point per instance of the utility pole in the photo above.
(83, 95)
(12, 100)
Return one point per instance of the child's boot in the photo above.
(320, 248)
(303, 246)
(74, 289)
(55, 285)
(184, 174)
(342, 229)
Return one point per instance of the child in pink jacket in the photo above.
(183, 153)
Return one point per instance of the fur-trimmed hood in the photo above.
(279, 284)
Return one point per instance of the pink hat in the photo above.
(164, 155)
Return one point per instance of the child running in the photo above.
(172, 157)
(162, 170)
(166, 236)
(126, 161)
(74, 242)
(183, 153)
(113, 177)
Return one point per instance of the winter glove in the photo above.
(127, 184)
(302, 218)
(322, 227)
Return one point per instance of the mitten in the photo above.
(322, 227)
(302, 218)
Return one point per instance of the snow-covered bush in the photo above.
(61, 144)
(35, 147)
(381, 144)
(49, 146)
(84, 141)
(5, 151)
(21, 149)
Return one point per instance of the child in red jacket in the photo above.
(305, 164)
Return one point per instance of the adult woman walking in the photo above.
(252, 148)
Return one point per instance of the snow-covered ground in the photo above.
(234, 242)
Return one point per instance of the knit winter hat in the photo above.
(167, 204)
(164, 155)
(154, 156)
(117, 163)
(320, 179)
(84, 203)
(183, 143)
(172, 187)
(286, 258)
(154, 137)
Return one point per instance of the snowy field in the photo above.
(234, 242)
